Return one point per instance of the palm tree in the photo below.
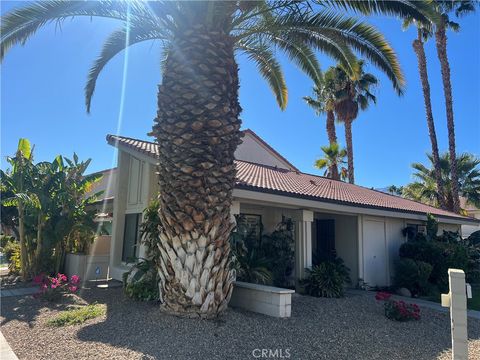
(424, 188)
(423, 33)
(445, 7)
(324, 102)
(353, 94)
(197, 125)
(334, 157)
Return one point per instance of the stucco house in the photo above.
(364, 226)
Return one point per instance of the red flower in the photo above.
(382, 296)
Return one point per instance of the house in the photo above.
(362, 225)
(473, 212)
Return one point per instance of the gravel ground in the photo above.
(349, 328)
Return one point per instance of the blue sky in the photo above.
(42, 99)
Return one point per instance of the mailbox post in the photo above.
(456, 300)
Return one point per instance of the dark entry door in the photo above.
(325, 239)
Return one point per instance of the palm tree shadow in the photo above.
(28, 308)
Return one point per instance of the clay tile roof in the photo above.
(269, 179)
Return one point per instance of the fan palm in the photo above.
(423, 33)
(197, 125)
(445, 8)
(334, 157)
(424, 189)
(353, 94)
(324, 101)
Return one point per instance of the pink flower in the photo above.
(382, 296)
(38, 279)
(75, 279)
(61, 277)
(72, 288)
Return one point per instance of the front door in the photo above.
(374, 253)
(325, 241)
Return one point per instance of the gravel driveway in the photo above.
(349, 328)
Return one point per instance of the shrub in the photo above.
(12, 255)
(78, 315)
(5, 239)
(413, 275)
(327, 279)
(440, 255)
(398, 310)
(141, 281)
(52, 288)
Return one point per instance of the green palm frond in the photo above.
(421, 11)
(269, 68)
(115, 43)
(20, 24)
(302, 55)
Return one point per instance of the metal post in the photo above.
(456, 300)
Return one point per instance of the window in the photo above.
(131, 236)
(251, 225)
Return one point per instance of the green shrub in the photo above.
(413, 275)
(440, 255)
(327, 279)
(5, 239)
(141, 282)
(12, 255)
(78, 315)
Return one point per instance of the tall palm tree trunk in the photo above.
(332, 135)
(198, 131)
(332, 139)
(422, 69)
(441, 42)
(349, 142)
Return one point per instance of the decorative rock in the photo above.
(404, 292)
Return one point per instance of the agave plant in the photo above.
(197, 124)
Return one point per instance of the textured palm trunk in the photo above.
(332, 139)
(198, 131)
(422, 68)
(332, 135)
(441, 42)
(349, 141)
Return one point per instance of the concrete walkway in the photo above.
(18, 292)
(428, 304)
(6, 352)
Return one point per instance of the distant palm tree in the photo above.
(334, 157)
(353, 94)
(324, 101)
(424, 189)
(423, 33)
(197, 125)
(460, 8)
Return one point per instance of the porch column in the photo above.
(303, 242)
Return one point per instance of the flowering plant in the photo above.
(398, 310)
(52, 288)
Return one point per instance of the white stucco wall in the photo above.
(253, 151)
(134, 190)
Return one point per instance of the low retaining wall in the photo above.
(86, 266)
(268, 300)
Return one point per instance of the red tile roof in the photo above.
(269, 179)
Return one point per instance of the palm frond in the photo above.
(301, 55)
(20, 24)
(115, 43)
(421, 11)
(269, 68)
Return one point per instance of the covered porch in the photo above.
(317, 234)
